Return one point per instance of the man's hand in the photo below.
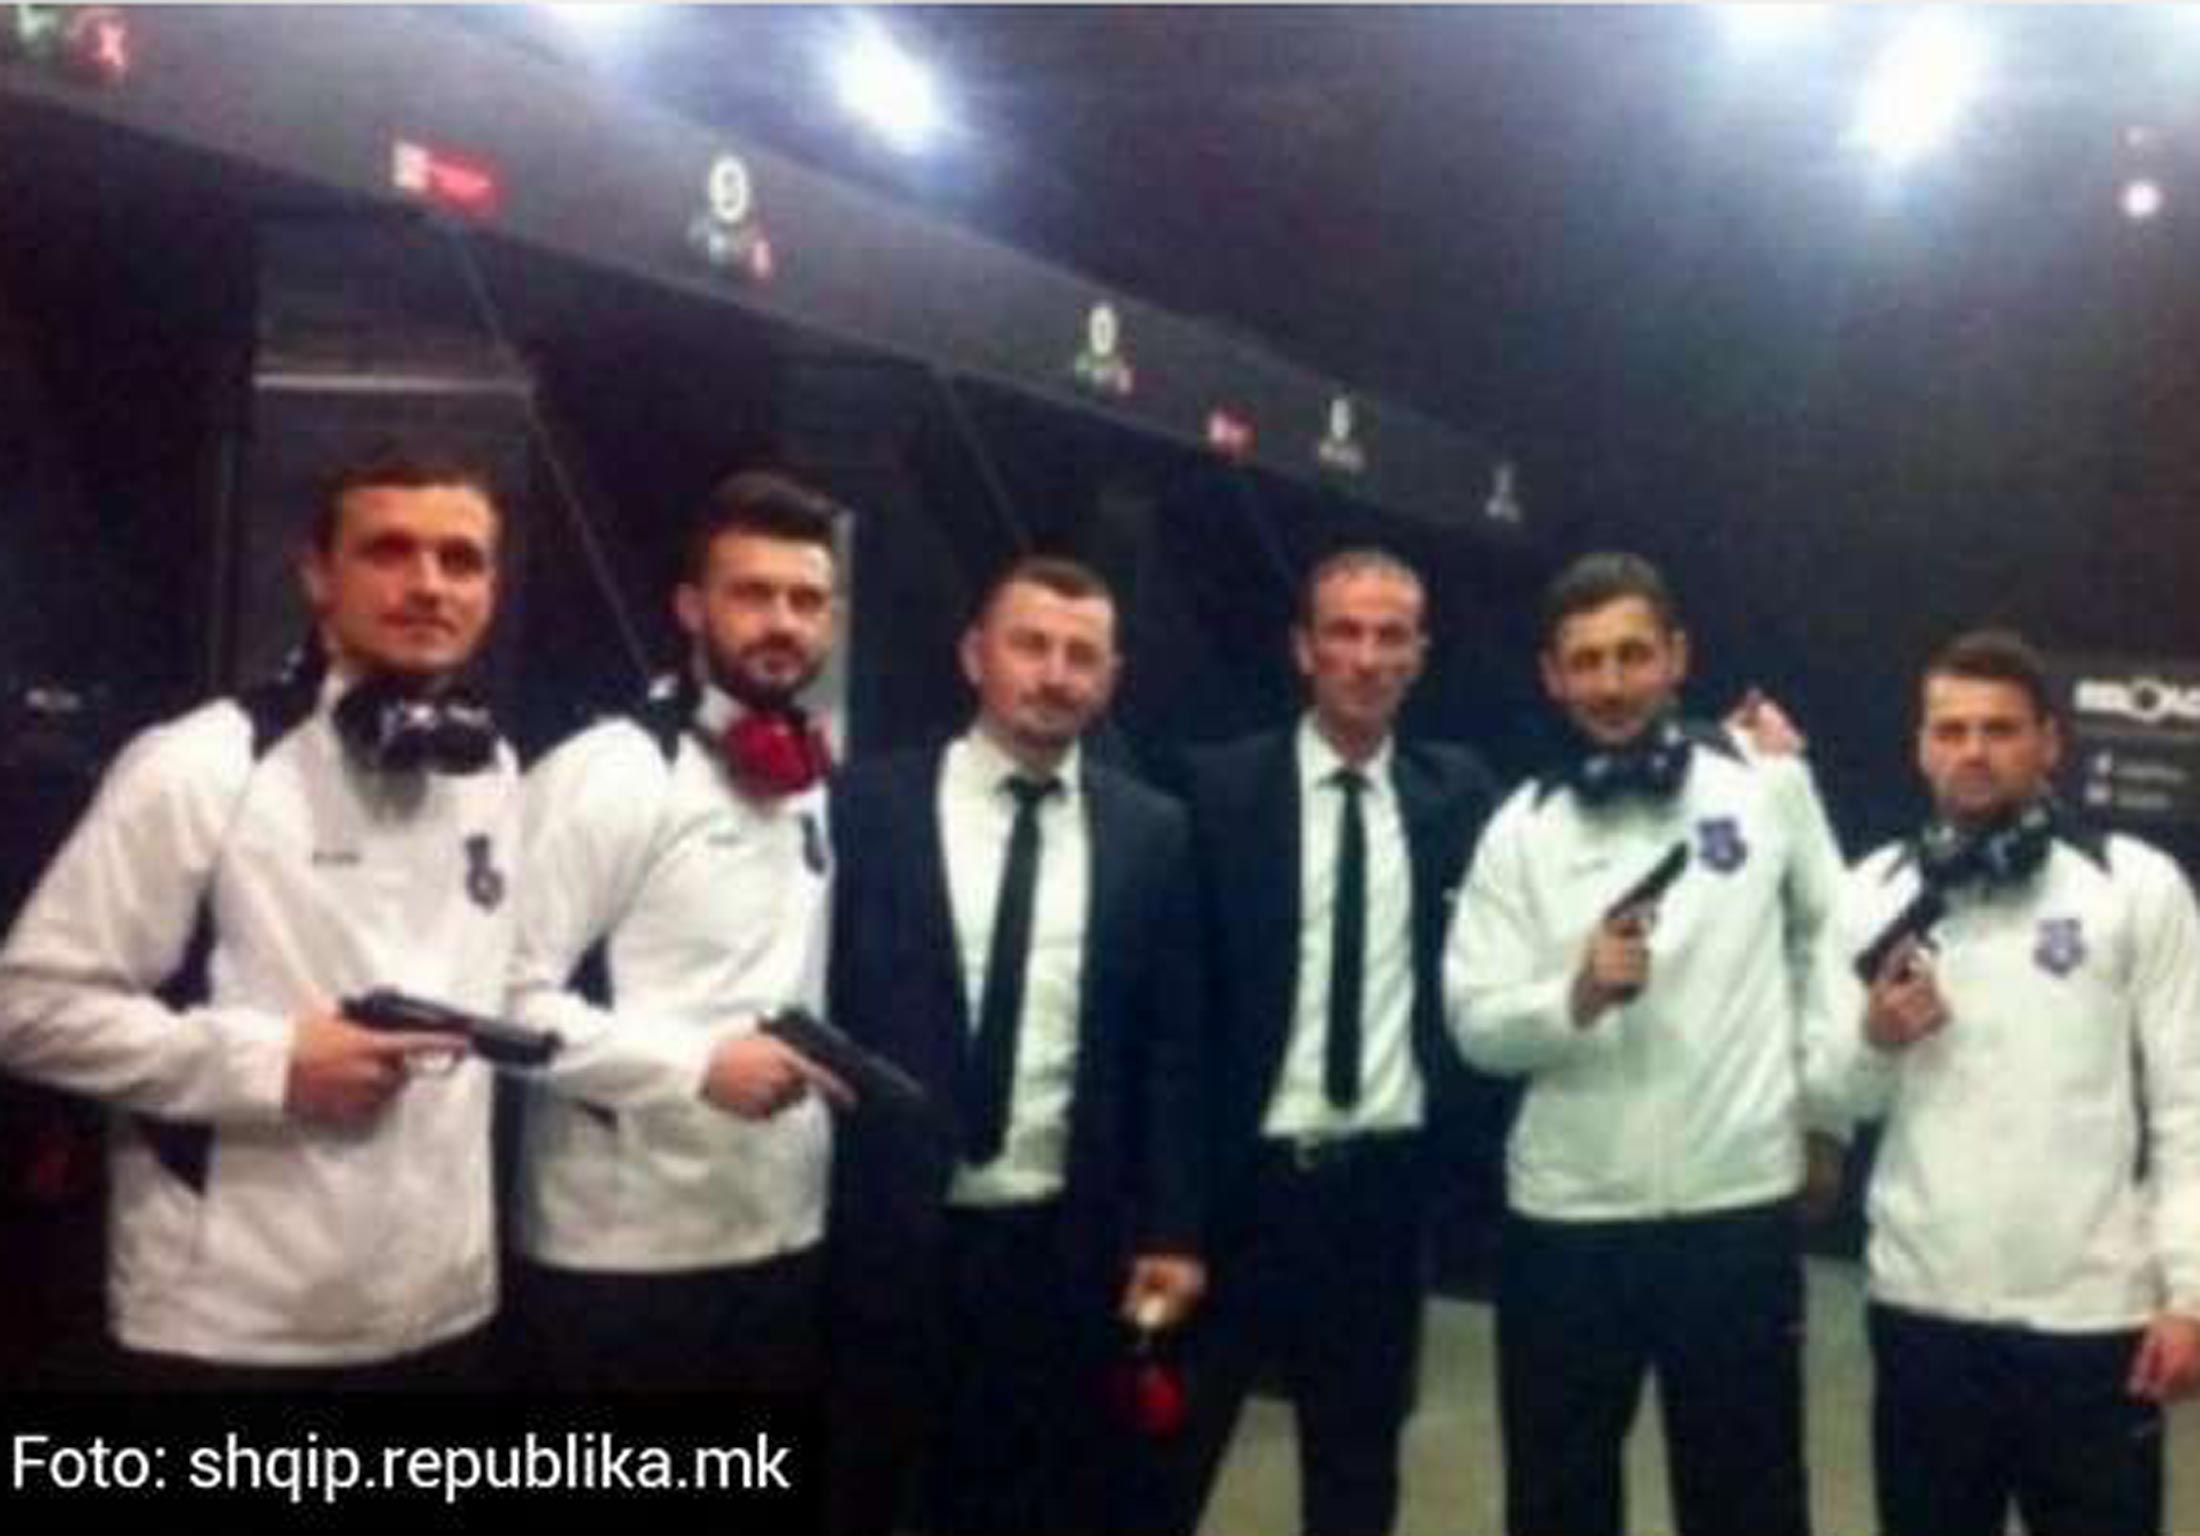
(1904, 1004)
(755, 1076)
(343, 1074)
(1762, 723)
(1615, 967)
(2167, 1365)
(1823, 1160)
(1162, 1290)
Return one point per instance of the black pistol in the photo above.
(494, 1040)
(1914, 921)
(1656, 883)
(874, 1079)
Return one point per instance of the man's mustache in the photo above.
(787, 650)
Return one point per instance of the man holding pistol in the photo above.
(1635, 939)
(676, 901)
(2027, 1022)
(295, 1202)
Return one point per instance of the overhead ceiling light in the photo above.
(887, 89)
(1919, 88)
(602, 19)
(2142, 199)
(1764, 23)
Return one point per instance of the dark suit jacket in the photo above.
(1134, 1174)
(1245, 808)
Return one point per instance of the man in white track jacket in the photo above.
(296, 1199)
(678, 896)
(1660, 1142)
(2032, 1040)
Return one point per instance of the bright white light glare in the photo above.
(2142, 199)
(1764, 23)
(602, 19)
(1919, 88)
(887, 89)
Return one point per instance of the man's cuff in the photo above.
(255, 1050)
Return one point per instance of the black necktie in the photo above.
(990, 1067)
(1347, 941)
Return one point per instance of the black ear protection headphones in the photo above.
(2005, 854)
(1651, 766)
(392, 729)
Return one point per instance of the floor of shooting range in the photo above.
(1452, 1479)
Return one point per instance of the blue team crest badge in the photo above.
(484, 881)
(1719, 844)
(2061, 946)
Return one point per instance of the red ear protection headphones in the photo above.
(774, 753)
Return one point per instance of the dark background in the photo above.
(1851, 412)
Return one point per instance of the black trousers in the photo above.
(1317, 1283)
(970, 1400)
(746, 1328)
(1021, 1442)
(1967, 1419)
(1712, 1304)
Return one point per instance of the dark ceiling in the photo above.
(1852, 410)
(1532, 221)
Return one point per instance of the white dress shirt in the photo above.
(1391, 1094)
(977, 811)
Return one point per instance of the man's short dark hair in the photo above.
(1606, 576)
(1058, 574)
(401, 466)
(1358, 560)
(1996, 656)
(764, 503)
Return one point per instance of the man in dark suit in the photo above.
(1013, 926)
(1327, 853)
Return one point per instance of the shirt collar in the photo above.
(715, 709)
(979, 763)
(340, 677)
(336, 681)
(1319, 761)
